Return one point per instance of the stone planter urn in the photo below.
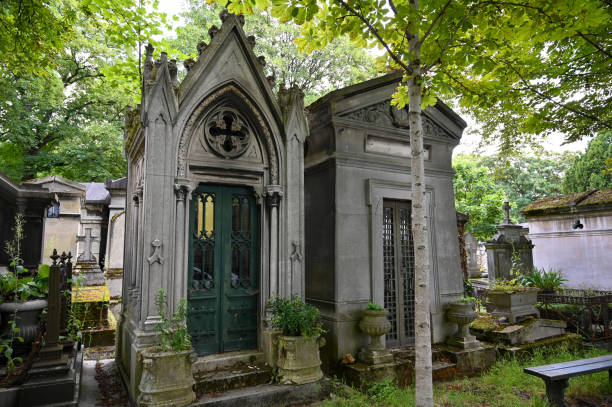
(25, 315)
(166, 378)
(298, 359)
(375, 324)
(513, 305)
(462, 313)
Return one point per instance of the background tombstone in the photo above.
(471, 249)
(87, 264)
(510, 241)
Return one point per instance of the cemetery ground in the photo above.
(503, 385)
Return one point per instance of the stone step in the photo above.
(268, 395)
(228, 360)
(443, 371)
(223, 380)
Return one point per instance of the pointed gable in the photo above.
(228, 58)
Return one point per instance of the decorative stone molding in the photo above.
(385, 114)
(156, 256)
(227, 133)
(193, 121)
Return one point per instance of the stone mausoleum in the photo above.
(221, 210)
(215, 212)
(358, 213)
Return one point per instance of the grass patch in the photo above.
(503, 385)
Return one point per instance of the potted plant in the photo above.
(21, 295)
(375, 324)
(298, 345)
(513, 300)
(166, 375)
(462, 313)
(547, 281)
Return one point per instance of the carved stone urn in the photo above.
(25, 314)
(166, 379)
(299, 360)
(375, 324)
(462, 313)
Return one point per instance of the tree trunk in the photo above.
(420, 233)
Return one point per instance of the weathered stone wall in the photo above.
(582, 255)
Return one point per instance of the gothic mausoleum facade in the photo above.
(222, 212)
(215, 198)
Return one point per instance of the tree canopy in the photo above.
(478, 195)
(525, 179)
(591, 169)
(65, 116)
(315, 73)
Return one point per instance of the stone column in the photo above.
(273, 201)
(183, 195)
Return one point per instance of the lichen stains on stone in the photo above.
(580, 200)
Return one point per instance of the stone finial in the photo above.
(164, 57)
(188, 64)
(241, 20)
(63, 258)
(173, 70)
(212, 31)
(506, 209)
(251, 41)
(69, 258)
(272, 80)
(224, 15)
(283, 95)
(201, 47)
(148, 64)
(262, 60)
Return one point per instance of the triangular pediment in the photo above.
(383, 114)
(229, 58)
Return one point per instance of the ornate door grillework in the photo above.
(223, 272)
(398, 268)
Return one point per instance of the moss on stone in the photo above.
(484, 322)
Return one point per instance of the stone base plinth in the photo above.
(90, 272)
(525, 332)
(472, 361)
(48, 383)
(465, 342)
(362, 375)
(375, 357)
(91, 308)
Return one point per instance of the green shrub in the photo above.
(374, 307)
(294, 317)
(172, 329)
(544, 280)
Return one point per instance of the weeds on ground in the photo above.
(503, 385)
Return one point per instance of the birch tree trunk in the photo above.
(420, 233)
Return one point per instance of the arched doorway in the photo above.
(223, 272)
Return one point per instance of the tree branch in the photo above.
(374, 32)
(583, 36)
(433, 23)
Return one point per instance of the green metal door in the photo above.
(223, 269)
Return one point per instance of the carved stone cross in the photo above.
(506, 209)
(87, 240)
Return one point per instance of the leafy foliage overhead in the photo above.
(314, 73)
(525, 179)
(590, 168)
(64, 117)
(521, 68)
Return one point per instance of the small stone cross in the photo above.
(87, 239)
(506, 209)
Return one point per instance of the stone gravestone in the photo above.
(87, 265)
(471, 249)
(507, 248)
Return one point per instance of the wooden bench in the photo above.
(556, 375)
